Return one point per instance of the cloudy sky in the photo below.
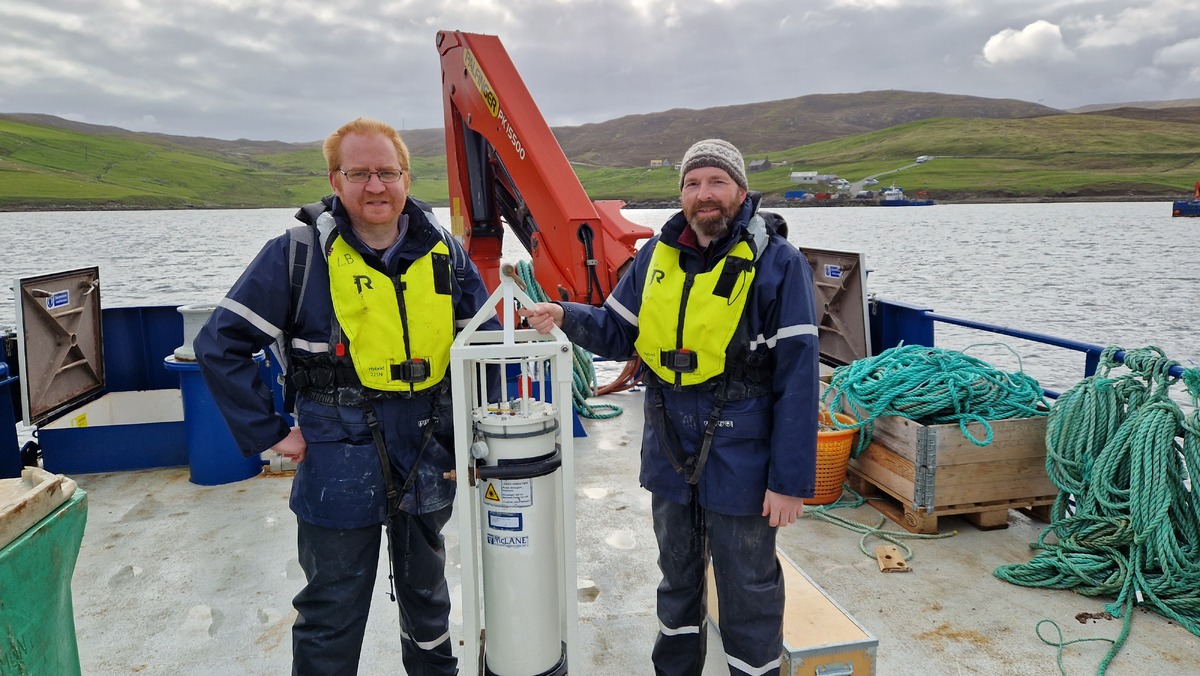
(293, 70)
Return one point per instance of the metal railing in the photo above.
(893, 323)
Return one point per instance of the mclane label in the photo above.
(511, 541)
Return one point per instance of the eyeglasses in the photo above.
(362, 176)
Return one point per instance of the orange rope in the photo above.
(625, 380)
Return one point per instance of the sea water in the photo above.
(1110, 273)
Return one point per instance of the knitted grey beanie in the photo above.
(715, 152)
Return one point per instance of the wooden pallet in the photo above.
(990, 515)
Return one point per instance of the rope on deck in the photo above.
(893, 536)
(1126, 522)
(583, 372)
(932, 386)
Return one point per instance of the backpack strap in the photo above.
(304, 241)
(459, 261)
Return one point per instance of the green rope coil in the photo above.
(932, 386)
(1125, 523)
(583, 372)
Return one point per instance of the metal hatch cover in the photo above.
(840, 282)
(59, 342)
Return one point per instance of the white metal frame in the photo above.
(472, 347)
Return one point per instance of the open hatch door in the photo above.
(840, 283)
(59, 343)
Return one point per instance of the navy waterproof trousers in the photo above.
(749, 582)
(341, 565)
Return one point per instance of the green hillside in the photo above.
(1052, 157)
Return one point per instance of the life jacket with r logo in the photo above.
(400, 329)
(687, 320)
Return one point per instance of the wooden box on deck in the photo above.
(921, 472)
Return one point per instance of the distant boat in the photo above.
(1188, 207)
(894, 197)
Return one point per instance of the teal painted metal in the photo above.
(37, 615)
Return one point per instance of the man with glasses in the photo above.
(361, 304)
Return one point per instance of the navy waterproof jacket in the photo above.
(340, 483)
(765, 442)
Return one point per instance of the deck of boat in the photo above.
(175, 578)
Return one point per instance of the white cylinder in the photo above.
(520, 552)
(194, 317)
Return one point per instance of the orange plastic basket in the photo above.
(833, 454)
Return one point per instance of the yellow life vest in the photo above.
(400, 334)
(708, 305)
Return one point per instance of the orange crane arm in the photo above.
(505, 166)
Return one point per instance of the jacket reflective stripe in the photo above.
(710, 316)
(251, 316)
(369, 309)
(784, 332)
(309, 346)
(622, 311)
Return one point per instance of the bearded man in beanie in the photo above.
(721, 310)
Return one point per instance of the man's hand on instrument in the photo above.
(543, 316)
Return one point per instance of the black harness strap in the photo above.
(389, 485)
(393, 496)
(691, 466)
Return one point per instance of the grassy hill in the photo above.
(1054, 157)
(983, 149)
(768, 127)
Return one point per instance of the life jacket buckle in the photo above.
(679, 361)
(411, 370)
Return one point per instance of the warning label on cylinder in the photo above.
(509, 492)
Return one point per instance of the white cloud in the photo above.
(1181, 57)
(1131, 25)
(1186, 53)
(1039, 41)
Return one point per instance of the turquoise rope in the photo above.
(1061, 642)
(583, 372)
(895, 537)
(932, 386)
(1119, 449)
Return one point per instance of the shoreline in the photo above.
(769, 201)
(779, 202)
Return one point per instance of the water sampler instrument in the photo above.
(515, 475)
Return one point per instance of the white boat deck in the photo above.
(175, 578)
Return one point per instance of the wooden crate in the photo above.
(819, 637)
(927, 471)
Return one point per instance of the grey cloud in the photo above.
(294, 69)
